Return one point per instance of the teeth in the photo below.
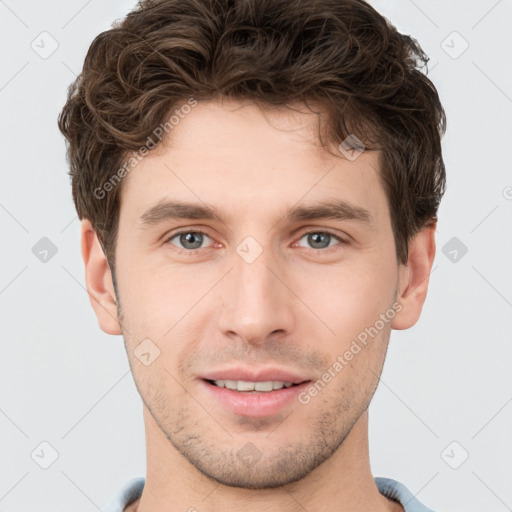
(242, 385)
(264, 386)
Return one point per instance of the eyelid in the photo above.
(169, 237)
(327, 231)
(325, 250)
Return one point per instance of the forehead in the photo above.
(239, 156)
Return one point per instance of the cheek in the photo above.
(155, 297)
(347, 299)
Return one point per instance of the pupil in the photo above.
(189, 238)
(315, 240)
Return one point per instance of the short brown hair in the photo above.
(339, 54)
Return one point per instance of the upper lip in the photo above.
(256, 375)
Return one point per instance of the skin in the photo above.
(294, 307)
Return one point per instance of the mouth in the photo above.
(253, 398)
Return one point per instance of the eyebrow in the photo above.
(334, 210)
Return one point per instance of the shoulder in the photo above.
(399, 492)
(130, 491)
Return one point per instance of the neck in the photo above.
(342, 483)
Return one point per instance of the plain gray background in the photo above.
(441, 419)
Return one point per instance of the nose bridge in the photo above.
(255, 302)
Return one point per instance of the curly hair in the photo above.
(341, 55)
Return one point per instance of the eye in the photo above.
(189, 240)
(320, 239)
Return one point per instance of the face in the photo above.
(252, 282)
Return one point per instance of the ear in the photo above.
(414, 277)
(98, 280)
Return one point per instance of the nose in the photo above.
(255, 300)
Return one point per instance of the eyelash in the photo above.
(192, 252)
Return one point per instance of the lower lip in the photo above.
(256, 405)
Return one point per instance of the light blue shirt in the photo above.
(387, 487)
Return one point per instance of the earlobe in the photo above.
(98, 279)
(414, 277)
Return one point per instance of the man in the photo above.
(258, 183)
